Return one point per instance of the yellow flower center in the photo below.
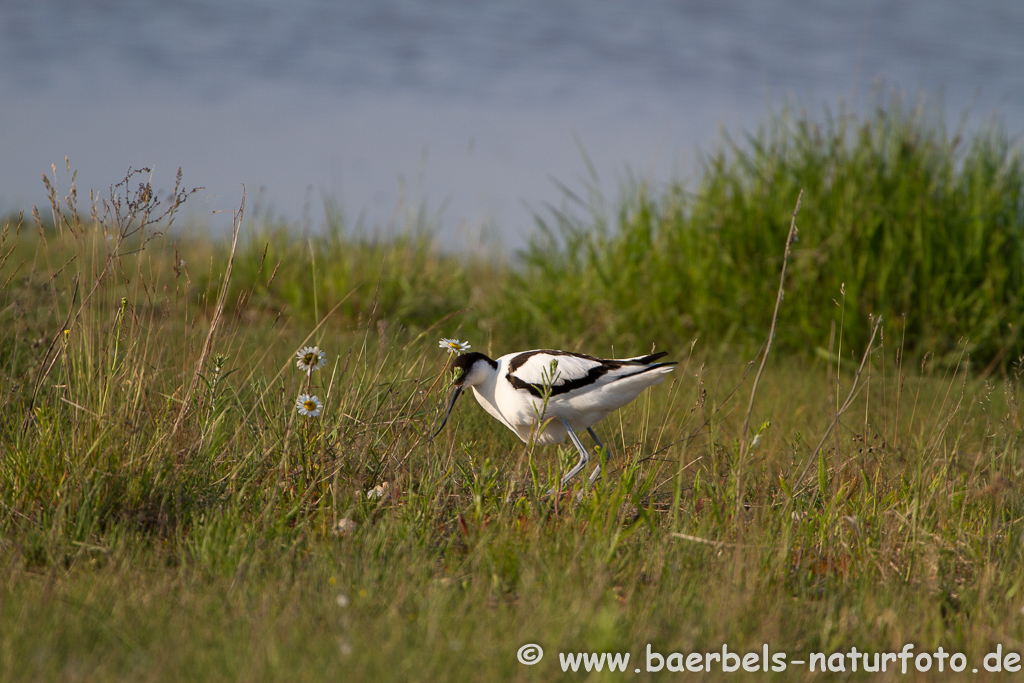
(310, 406)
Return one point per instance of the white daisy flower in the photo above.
(308, 405)
(454, 345)
(310, 358)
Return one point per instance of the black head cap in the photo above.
(464, 362)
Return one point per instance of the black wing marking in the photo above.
(575, 370)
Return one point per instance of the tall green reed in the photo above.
(922, 226)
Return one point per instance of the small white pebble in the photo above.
(345, 526)
(381, 492)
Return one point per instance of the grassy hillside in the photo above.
(166, 513)
(916, 224)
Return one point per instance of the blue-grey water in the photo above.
(471, 108)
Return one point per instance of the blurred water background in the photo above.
(471, 109)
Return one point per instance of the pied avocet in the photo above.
(580, 391)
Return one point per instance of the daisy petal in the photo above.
(454, 345)
(308, 405)
(310, 358)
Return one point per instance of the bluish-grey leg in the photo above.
(607, 455)
(584, 456)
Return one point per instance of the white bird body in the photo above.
(518, 408)
(580, 391)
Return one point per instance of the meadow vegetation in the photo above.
(167, 514)
(910, 219)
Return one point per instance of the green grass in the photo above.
(922, 227)
(166, 514)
